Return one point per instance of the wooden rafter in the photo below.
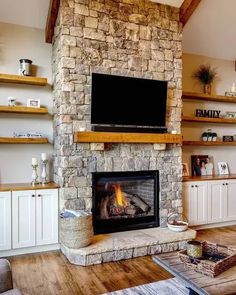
(187, 9)
(51, 19)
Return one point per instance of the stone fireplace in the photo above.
(135, 38)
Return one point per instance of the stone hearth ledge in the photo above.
(129, 244)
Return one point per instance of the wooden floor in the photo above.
(50, 273)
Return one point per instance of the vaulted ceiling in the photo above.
(212, 24)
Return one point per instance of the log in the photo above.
(139, 203)
(103, 208)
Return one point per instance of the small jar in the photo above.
(204, 136)
(214, 136)
(209, 135)
(25, 67)
(194, 249)
(11, 101)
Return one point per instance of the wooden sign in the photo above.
(207, 113)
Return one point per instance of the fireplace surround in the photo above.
(125, 200)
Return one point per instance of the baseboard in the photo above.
(29, 250)
(213, 225)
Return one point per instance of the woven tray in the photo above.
(216, 259)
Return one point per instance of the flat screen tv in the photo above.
(126, 101)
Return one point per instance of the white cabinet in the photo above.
(229, 207)
(5, 220)
(34, 218)
(195, 202)
(46, 217)
(216, 199)
(208, 202)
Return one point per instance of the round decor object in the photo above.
(177, 222)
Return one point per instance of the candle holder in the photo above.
(44, 172)
(34, 175)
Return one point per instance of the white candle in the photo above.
(44, 156)
(34, 161)
(233, 88)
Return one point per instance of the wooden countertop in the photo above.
(26, 186)
(209, 177)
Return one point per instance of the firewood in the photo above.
(103, 208)
(139, 203)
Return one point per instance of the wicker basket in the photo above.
(207, 267)
(77, 232)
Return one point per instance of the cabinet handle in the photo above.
(192, 185)
(33, 196)
(226, 184)
(223, 183)
(196, 186)
(39, 195)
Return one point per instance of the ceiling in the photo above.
(212, 24)
(30, 13)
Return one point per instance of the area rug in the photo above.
(165, 287)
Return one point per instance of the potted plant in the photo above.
(205, 74)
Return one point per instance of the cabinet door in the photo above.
(23, 218)
(47, 216)
(216, 199)
(195, 202)
(230, 200)
(5, 220)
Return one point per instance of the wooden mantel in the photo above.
(117, 137)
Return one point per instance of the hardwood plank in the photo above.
(51, 273)
(104, 137)
(209, 177)
(23, 110)
(209, 120)
(187, 9)
(16, 140)
(51, 20)
(26, 186)
(209, 143)
(17, 79)
(206, 97)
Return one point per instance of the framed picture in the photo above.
(185, 169)
(223, 168)
(202, 165)
(33, 103)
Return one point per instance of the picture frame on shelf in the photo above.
(223, 168)
(33, 103)
(185, 170)
(202, 165)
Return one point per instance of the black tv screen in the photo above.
(118, 100)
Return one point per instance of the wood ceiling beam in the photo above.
(51, 19)
(187, 9)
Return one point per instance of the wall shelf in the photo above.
(209, 120)
(210, 143)
(209, 177)
(26, 186)
(205, 97)
(17, 79)
(16, 140)
(106, 137)
(23, 110)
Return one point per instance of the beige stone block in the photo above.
(96, 146)
(93, 34)
(91, 22)
(81, 9)
(159, 146)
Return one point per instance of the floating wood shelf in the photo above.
(209, 177)
(26, 186)
(200, 96)
(209, 143)
(16, 140)
(105, 137)
(17, 79)
(23, 110)
(209, 120)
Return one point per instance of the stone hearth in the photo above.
(126, 245)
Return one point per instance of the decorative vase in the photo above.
(207, 88)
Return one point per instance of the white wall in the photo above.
(18, 42)
(192, 131)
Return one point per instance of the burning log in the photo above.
(139, 203)
(104, 208)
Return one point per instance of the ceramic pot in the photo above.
(207, 88)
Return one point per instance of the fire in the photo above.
(120, 199)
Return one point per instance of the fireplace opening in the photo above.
(125, 200)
